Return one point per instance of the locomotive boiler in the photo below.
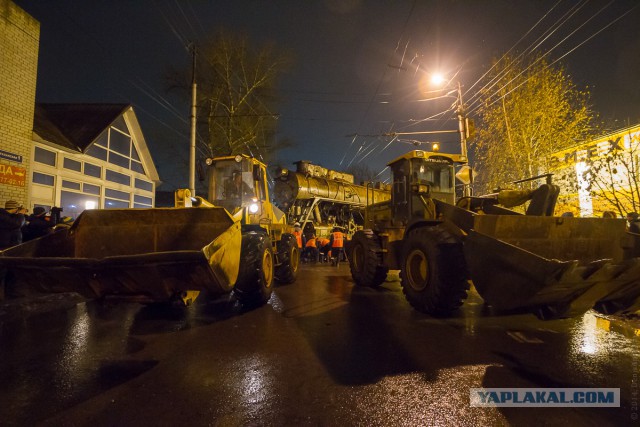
(320, 199)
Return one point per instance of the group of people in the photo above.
(17, 227)
(316, 249)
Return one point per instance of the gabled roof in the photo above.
(74, 126)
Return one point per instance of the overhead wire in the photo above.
(379, 85)
(549, 52)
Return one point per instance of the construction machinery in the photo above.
(238, 242)
(534, 262)
(320, 199)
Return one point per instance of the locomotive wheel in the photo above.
(289, 258)
(434, 273)
(255, 278)
(365, 260)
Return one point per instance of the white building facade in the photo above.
(83, 164)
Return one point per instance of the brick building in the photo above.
(19, 40)
(74, 156)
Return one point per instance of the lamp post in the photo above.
(462, 127)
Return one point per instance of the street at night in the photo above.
(321, 352)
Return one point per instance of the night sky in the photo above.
(354, 69)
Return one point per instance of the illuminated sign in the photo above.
(593, 150)
(590, 151)
(12, 175)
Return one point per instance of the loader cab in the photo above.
(417, 176)
(232, 183)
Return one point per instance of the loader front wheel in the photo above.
(255, 278)
(289, 259)
(434, 273)
(365, 259)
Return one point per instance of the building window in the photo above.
(116, 194)
(120, 142)
(91, 189)
(143, 185)
(117, 177)
(112, 204)
(97, 152)
(92, 170)
(143, 200)
(73, 165)
(118, 160)
(70, 185)
(116, 146)
(137, 167)
(45, 156)
(74, 203)
(44, 179)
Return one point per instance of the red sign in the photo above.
(12, 175)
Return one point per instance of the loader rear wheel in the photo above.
(255, 278)
(289, 258)
(365, 260)
(434, 273)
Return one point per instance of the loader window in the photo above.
(232, 184)
(437, 175)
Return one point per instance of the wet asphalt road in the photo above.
(320, 353)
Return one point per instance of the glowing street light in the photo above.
(437, 79)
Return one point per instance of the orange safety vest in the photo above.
(338, 239)
(298, 235)
(311, 243)
(322, 242)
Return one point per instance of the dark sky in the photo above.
(353, 71)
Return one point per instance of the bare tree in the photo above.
(236, 95)
(362, 173)
(530, 109)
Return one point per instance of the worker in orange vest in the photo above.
(297, 232)
(311, 249)
(336, 242)
(323, 247)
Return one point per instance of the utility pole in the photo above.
(192, 147)
(462, 127)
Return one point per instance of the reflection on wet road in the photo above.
(320, 353)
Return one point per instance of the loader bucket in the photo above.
(146, 255)
(555, 267)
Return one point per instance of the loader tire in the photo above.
(255, 278)
(365, 259)
(289, 258)
(434, 273)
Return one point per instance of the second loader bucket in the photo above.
(555, 267)
(141, 254)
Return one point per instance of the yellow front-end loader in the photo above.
(551, 266)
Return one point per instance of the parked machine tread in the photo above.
(255, 278)
(288, 257)
(434, 273)
(366, 263)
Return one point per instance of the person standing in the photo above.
(37, 225)
(336, 242)
(11, 222)
(634, 222)
(297, 232)
(12, 218)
